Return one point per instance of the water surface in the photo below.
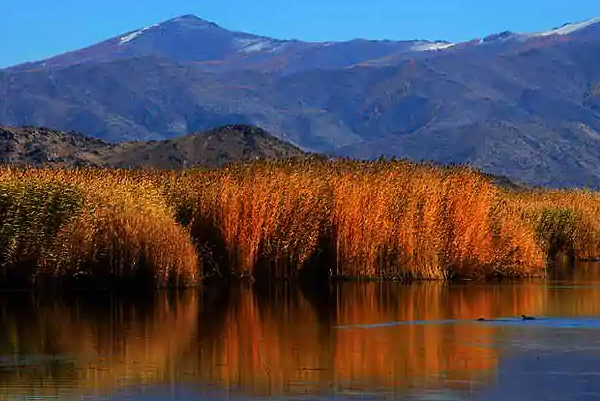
(353, 341)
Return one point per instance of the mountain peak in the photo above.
(184, 22)
(190, 19)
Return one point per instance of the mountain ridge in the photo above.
(255, 45)
(230, 48)
(522, 105)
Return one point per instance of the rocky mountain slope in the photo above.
(43, 146)
(522, 105)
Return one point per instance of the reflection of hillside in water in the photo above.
(275, 341)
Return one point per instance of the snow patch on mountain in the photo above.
(431, 46)
(567, 29)
(252, 45)
(131, 36)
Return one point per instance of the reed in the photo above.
(99, 227)
(416, 222)
(290, 218)
(354, 220)
(567, 222)
(255, 220)
(34, 212)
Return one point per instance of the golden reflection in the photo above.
(271, 342)
(565, 300)
(278, 340)
(285, 343)
(447, 346)
(77, 347)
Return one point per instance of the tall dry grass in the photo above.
(425, 222)
(354, 219)
(101, 227)
(309, 218)
(262, 221)
(567, 222)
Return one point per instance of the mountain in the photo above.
(43, 146)
(522, 105)
(209, 47)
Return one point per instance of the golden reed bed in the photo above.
(310, 218)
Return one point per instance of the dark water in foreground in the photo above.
(369, 341)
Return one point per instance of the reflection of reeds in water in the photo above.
(279, 340)
(410, 354)
(269, 347)
(93, 348)
(268, 344)
(582, 301)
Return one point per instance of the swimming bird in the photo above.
(527, 317)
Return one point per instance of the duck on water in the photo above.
(524, 317)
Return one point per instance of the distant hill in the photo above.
(522, 105)
(43, 146)
(40, 146)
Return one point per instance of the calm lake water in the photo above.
(355, 341)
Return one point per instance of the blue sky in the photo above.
(36, 29)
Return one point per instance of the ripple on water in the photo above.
(560, 323)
